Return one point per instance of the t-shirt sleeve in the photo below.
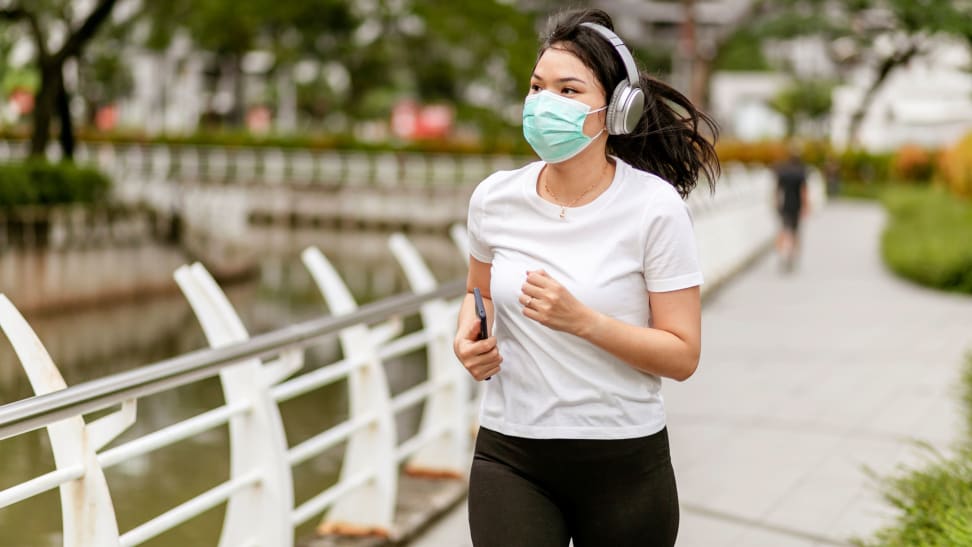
(671, 256)
(478, 247)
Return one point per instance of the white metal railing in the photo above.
(731, 226)
(260, 486)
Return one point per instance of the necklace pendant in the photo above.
(563, 212)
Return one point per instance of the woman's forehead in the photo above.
(556, 62)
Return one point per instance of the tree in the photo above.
(41, 18)
(478, 55)
(429, 50)
(803, 101)
(103, 76)
(884, 35)
(288, 31)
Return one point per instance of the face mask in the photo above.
(554, 125)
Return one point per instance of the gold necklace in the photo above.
(563, 208)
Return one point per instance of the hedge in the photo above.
(40, 183)
(929, 237)
(851, 165)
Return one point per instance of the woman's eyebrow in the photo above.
(561, 80)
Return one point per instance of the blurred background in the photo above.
(136, 136)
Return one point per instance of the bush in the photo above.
(864, 166)
(927, 238)
(760, 153)
(851, 165)
(41, 183)
(955, 165)
(914, 163)
(935, 503)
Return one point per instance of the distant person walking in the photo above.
(791, 201)
(587, 264)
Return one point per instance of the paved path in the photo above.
(806, 379)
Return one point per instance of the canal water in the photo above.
(93, 343)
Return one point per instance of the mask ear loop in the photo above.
(603, 129)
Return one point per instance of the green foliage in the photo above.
(19, 78)
(864, 166)
(427, 50)
(41, 183)
(934, 503)
(743, 51)
(803, 101)
(104, 75)
(927, 238)
(870, 191)
(853, 165)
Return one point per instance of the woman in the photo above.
(587, 264)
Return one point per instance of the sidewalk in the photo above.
(805, 380)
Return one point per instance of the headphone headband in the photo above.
(627, 102)
(626, 58)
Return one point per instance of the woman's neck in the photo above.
(566, 181)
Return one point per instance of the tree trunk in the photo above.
(884, 70)
(701, 77)
(44, 106)
(66, 134)
(287, 100)
(234, 67)
(684, 70)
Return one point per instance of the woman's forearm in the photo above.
(647, 349)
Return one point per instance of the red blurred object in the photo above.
(23, 101)
(410, 120)
(258, 119)
(106, 118)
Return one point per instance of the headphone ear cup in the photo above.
(632, 109)
(615, 110)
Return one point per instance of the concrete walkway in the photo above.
(806, 381)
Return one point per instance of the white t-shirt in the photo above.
(635, 237)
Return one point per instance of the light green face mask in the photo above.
(554, 125)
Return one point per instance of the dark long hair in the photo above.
(666, 141)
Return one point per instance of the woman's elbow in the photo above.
(687, 368)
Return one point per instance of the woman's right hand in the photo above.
(480, 357)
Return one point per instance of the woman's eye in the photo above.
(534, 87)
(568, 91)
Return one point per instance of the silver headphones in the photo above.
(627, 103)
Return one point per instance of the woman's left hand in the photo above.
(548, 302)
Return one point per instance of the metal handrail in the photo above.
(39, 411)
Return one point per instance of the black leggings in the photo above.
(545, 492)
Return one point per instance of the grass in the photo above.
(929, 237)
(862, 190)
(934, 503)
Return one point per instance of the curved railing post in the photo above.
(87, 512)
(461, 238)
(371, 507)
(258, 442)
(446, 408)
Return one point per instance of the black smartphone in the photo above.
(481, 313)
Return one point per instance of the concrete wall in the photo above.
(72, 256)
